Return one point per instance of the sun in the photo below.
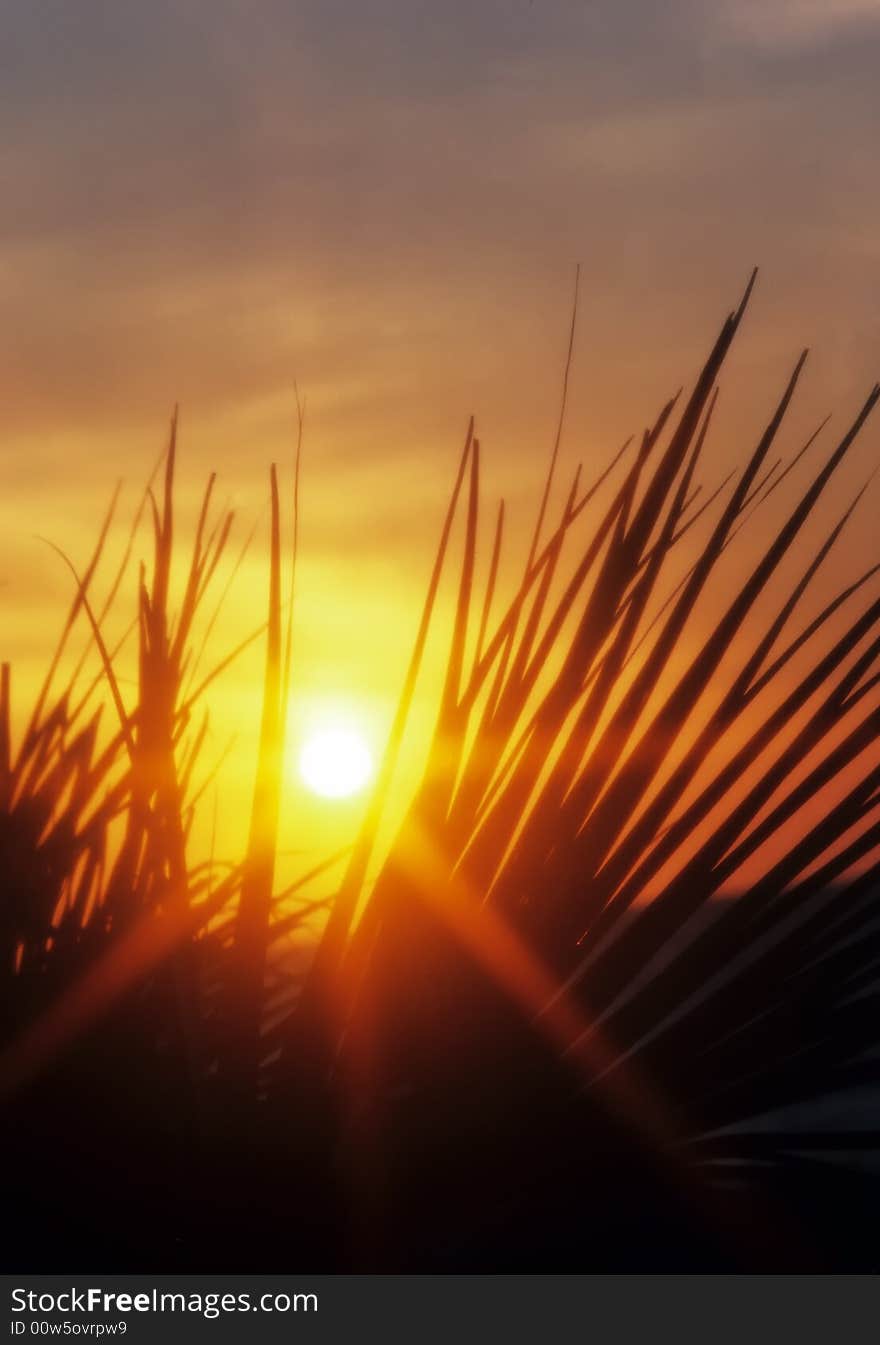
(335, 762)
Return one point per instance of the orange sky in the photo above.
(385, 201)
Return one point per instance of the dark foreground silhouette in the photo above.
(552, 1040)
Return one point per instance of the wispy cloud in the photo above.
(795, 23)
(204, 200)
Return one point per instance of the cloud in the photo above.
(795, 24)
(387, 201)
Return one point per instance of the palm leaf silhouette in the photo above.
(612, 977)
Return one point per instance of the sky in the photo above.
(384, 201)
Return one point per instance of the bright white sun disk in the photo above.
(335, 762)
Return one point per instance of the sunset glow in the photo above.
(440, 686)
